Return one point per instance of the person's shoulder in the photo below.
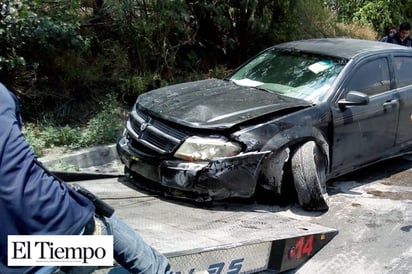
(408, 42)
(5, 94)
(9, 103)
(3, 89)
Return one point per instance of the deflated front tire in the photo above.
(308, 171)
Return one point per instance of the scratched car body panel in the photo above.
(297, 114)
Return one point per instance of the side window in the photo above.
(371, 77)
(403, 70)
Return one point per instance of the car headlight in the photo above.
(203, 149)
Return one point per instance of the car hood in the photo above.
(213, 103)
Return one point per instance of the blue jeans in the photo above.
(129, 249)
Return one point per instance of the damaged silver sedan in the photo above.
(296, 115)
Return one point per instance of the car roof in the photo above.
(342, 47)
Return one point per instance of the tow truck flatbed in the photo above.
(221, 238)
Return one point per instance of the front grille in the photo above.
(153, 136)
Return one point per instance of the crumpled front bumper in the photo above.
(218, 179)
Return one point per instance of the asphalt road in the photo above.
(372, 209)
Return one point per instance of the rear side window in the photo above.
(371, 77)
(403, 71)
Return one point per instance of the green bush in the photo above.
(28, 39)
(104, 128)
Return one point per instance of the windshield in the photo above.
(290, 73)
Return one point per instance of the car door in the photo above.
(403, 75)
(364, 133)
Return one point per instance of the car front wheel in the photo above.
(309, 176)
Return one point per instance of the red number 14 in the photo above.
(302, 247)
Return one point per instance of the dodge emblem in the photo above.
(144, 126)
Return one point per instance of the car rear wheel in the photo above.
(308, 172)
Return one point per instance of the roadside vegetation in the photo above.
(78, 66)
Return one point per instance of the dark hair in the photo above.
(405, 26)
(391, 28)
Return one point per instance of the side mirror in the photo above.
(354, 98)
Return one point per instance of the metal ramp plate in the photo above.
(225, 238)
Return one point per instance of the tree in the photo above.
(380, 14)
(30, 40)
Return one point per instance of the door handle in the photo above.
(391, 103)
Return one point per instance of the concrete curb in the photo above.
(86, 164)
(85, 158)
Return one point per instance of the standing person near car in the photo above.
(391, 31)
(402, 36)
(33, 202)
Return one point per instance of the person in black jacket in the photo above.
(402, 36)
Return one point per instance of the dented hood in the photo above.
(213, 103)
